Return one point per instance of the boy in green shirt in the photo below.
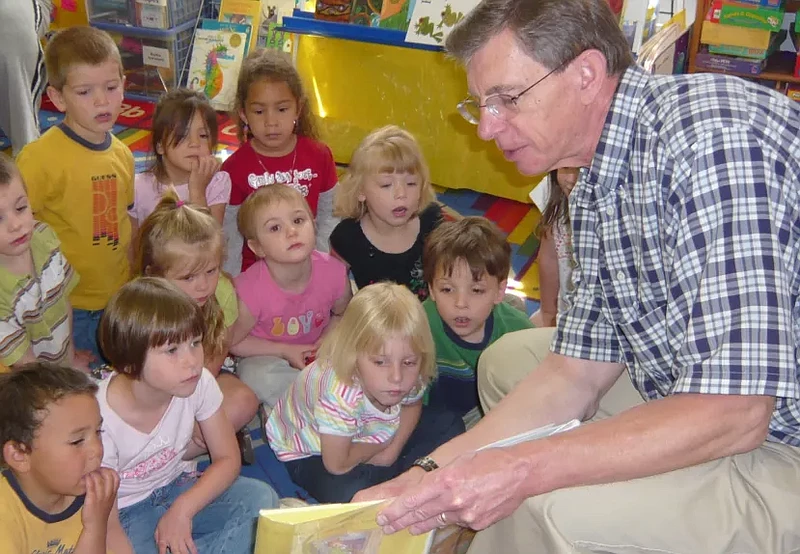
(466, 265)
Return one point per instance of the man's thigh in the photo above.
(742, 504)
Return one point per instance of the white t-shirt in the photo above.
(146, 462)
(147, 193)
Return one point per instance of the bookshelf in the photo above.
(779, 68)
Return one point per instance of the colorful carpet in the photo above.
(514, 218)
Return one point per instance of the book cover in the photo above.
(214, 69)
(241, 28)
(333, 529)
(333, 10)
(246, 12)
(366, 12)
(705, 60)
(395, 14)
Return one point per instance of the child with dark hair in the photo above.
(152, 334)
(466, 263)
(54, 496)
(184, 139)
(280, 145)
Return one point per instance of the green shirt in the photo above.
(455, 387)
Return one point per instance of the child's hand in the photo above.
(296, 354)
(203, 170)
(101, 494)
(385, 457)
(174, 533)
(82, 360)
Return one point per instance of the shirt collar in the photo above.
(609, 167)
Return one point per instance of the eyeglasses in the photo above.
(501, 106)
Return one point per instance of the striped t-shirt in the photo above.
(34, 311)
(319, 403)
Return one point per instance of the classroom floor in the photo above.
(514, 218)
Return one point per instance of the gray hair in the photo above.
(552, 32)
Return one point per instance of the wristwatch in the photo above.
(426, 463)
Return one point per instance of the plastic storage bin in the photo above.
(154, 61)
(150, 14)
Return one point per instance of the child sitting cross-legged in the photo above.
(54, 496)
(152, 334)
(353, 418)
(289, 298)
(466, 263)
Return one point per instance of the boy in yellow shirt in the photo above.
(80, 176)
(54, 496)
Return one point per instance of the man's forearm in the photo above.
(554, 392)
(649, 439)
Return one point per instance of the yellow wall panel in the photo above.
(355, 87)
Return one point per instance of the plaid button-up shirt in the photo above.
(686, 230)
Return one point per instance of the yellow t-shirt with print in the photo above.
(25, 529)
(226, 296)
(83, 192)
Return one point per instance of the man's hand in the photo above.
(101, 494)
(393, 488)
(475, 490)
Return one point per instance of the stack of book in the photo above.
(739, 37)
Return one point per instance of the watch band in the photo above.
(426, 462)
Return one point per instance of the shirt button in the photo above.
(620, 275)
(610, 210)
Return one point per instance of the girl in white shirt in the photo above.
(152, 333)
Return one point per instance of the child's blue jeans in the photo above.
(84, 331)
(227, 524)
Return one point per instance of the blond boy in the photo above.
(80, 177)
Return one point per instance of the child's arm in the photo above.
(548, 282)
(175, 526)
(117, 542)
(338, 309)
(340, 454)
(409, 417)
(242, 344)
(326, 221)
(133, 246)
(101, 497)
(203, 172)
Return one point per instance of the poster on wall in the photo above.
(432, 20)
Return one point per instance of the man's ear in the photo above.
(501, 291)
(593, 74)
(255, 247)
(17, 456)
(56, 98)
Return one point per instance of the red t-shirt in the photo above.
(311, 172)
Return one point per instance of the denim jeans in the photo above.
(436, 426)
(84, 331)
(227, 524)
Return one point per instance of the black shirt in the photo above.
(370, 265)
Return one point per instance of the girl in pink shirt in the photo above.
(184, 141)
(289, 298)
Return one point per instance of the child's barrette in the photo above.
(179, 203)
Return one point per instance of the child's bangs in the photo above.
(188, 259)
(393, 158)
(176, 320)
(394, 321)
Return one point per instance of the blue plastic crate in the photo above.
(150, 14)
(154, 61)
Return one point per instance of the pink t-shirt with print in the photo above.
(147, 193)
(287, 317)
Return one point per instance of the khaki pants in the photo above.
(749, 503)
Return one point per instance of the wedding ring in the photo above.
(441, 518)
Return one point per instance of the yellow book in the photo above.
(717, 33)
(246, 12)
(333, 529)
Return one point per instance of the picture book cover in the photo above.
(216, 59)
(333, 529)
(246, 12)
(214, 25)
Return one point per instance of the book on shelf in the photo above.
(241, 28)
(217, 57)
(245, 12)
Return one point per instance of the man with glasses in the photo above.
(679, 348)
